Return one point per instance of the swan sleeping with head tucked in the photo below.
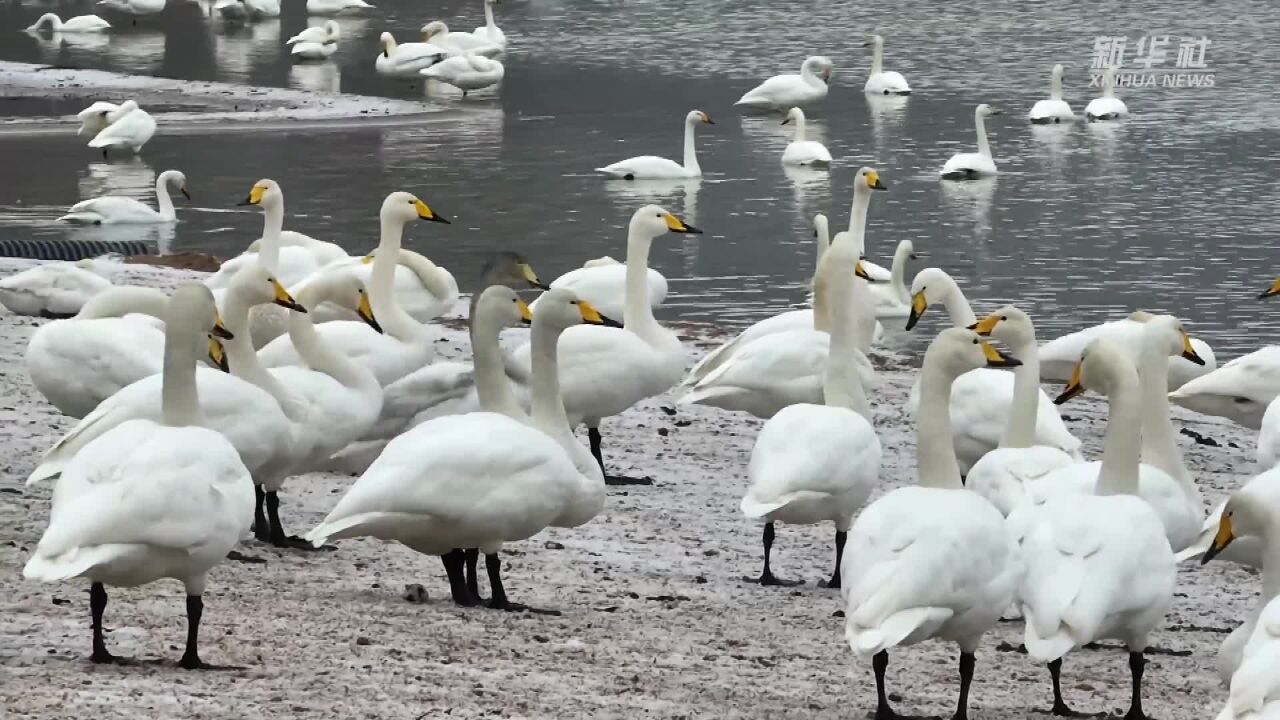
(97, 116)
(113, 209)
(784, 91)
(1240, 390)
(467, 71)
(801, 151)
(971, 166)
(1108, 106)
(55, 290)
(1055, 109)
(437, 32)
(651, 167)
(408, 59)
(78, 24)
(881, 81)
(316, 43)
(131, 129)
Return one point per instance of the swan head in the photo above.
(433, 28)
(178, 179)
(1271, 291)
(868, 179)
(985, 111)
(794, 115)
(501, 304)
(908, 248)
(258, 286)
(819, 65)
(875, 41)
(1057, 73)
(48, 18)
(1104, 366)
(562, 309)
(1009, 325)
(697, 116)
(820, 226)
(127, 106)
(1166, 333)
(929, 286)
(510, 269)
(956, 351)
(652, 221)
(406, 207)
(193, 303)
(264, 193)
(346, 290)
(1248, 513)
(388, 42)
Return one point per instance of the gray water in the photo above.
(1172, 210)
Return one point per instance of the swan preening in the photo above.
(78, 24)
(651, 167)
(785, 91)
(124, 128)
(316, 43)
(56, 290)
(468, 71)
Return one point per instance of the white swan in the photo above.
(468, 71)
(248, 9)
(336, 7)
(1059, 357)
(437, 32)
(137, 8)
(407, 345)
(980, 400)
(151, 499)
(1241, 390)
(801, 151)
(1000, 475)
(117, 210)
(481, 479)
(78, 24)
(935, 560)
(784, 91)
(785, 368)
(603, 283)
(1268, 450)
(79, 362)
(893, 300)
(284, 252)
(424, 289)
(881, 81)
(971, 166)
(316, 43)
(406, 60)
(1108, 106)
(1055, 109)
(490, 32)
(97, 116)
(1098, 564)
(817, 462)
(1255, 686)
(129, 132)
(55, 290)
(605, 370)
(651, 167)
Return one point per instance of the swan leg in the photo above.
(499, 601)
(593, 434)
(277, 536)
(967, 662)
(191, 656)
(767, 576)
(1136, 665)
(841, 537)
(98, 605)
(1059, 704)
(260, 529)
(453, 565)
(472, 557)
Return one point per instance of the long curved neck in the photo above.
(1159, 443)
(637, 313)
(840, 385)
(823, 243)
(317, 355)
(1021, 430)
(428, 273)
(690, 154)
(395, 321)
(179, 400)
(272, 226)
(547, 405)
(898, 273)
(935, 449)
(800, 127)
(492, 387)
(958, 308)
(877, 58)
(163, 202)
(1120, 449)
(53, 21)
(984, 147)
(1108, 84)
(1055, 86)
(858, 219)
(243, 359)
(125, 299)
(488, 16)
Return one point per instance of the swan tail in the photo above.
(347, 527)
(894, 629)
(709, 362)
(73, 563)
(754, 508)
(83, 218)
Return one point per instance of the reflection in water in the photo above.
(675, 195)
(240, 46)
(1106, 139)
(1051, 142)
(472, 136)
(138, 52)
(157, 235)
(811, 186)
(53, 44)
(131, 177)
(972, 199)
(886, 113)
(316, 76)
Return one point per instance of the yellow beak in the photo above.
(1221, 539)
(284, 299)
(918, 305)
(1189, 352)
(986, 325)
(676, 225)
(220, 330)
(365, 311)
(218, 354)
(1073, 387)
(526, 315)
(589, 314)
(427, 213)
(1271, 291)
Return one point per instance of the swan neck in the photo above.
(242, 357)
(877, 58)
(163, 202)
(1159, 443)
(690, 154)
(1021, 430)
(898, 274)
(318, 356)
(179, 401)
(492, 387)
(840, 385)
(980, 123)
(488, 16)
(272, 226)
(1120, 449)
(120, 301)
(547, 406)
(1055, 86)
(935, 454)
(823, 242)
(799, 122)
(858, 219)
(958, 308)
(391, 315)
(1270, 567)
(1108, 84)
(637, 313)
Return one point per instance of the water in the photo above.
(1170, 211)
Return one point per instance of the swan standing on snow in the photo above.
(801, 151)
(1098, 564)
(1055, 109)
(603, 283)
(437, 32)
(335, 7)
(316, 43)
(881, 81)
(406, 60)
(468, 71)
(97, 117)
(1058, 357)
(55, 290)
(116, 210)
(490, 32)
(1108, 106)
(971, 166)
(784, 91)
(152, 499)
(935, 560)
(650, 167)
(817, 462)
(133, 128)
(478, 480)
(1255, 686)
(1240, 390)
(78, 24)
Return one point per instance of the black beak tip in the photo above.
(607, 321)
(912, 320)
(1193, 358)
(221, 332)
(1011, 362)
(691, 230)
(374, 324)
(440, 219)
(1265, 294)
(526, 321)
(972, 327)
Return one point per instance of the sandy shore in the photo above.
(657, 621)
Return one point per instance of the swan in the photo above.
(55, 290)
(1055, 109)
(651, 167)
(79, 362)
(1058, 357)
(97, 116)
(1255, 692)
(971, 166)
(316, 43)
(1108, 106)
(481, 479)
(935, 560)
(336, 7)
(603, 283)
(784, 368)
(117, 210)
(981, 400)
(437, 32)
(136, 8)
(407, 345)
(1268, 450)
(468, 71)
(893, 300)
(800, 151)
(784, 91)
(152, 498)
(133, 128)
(1098, 564)
(881, 81)
(78, 24)
(490, 32)
(292, 259)
(816, 462)
(406, 60)
(248, 9)
(1240, 390)
(425, 290)
(605, 370)
(1001, 474)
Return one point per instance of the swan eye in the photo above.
(1004, 317)
(975, 341)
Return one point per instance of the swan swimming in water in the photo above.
(1107, 107)
(784, 91)
(1055, 109)
(971, 166)
(114, 209)
(881, 81)
(801, 151)
(651, 167)
(78, 24)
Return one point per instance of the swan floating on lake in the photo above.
(652, 167)
(971, 166)
(784, 91)
(881, 81)
(78, 24)
(1055, 109)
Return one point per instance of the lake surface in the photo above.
(1173, 210)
